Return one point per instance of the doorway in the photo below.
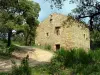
(57, 46)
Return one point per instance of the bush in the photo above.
(48, 47)
(65, 57)
(23, 69)
(83, 57)
(54, 67)
(65, 62)
(41, 69)
(4, 73)
(69, 57)
(95, 55)
(77, 59)
(95, 39)
(2, 46)
(11, 49)
(5, 55)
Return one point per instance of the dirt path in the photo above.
(36, 56)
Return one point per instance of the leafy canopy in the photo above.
(15, 14)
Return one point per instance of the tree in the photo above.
(17, 12)
(90, 9)
(29, 32)
(56, 3)
(85, 8)
(95, 39)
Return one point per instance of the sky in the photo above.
(46, 10)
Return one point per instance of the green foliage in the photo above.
(11, 49)
(41, 69)
(83, 57)
(3, 73)
(48, 69)
(3, 50)
(4, 55)
(23, 69)
(48, 47)
(74, 56)
(76, 60)
(54, 68)
(2, 46)
(14, 14)
(84, 9)
(56, 3)
(96, 55)
(95, 39)
(65, 62)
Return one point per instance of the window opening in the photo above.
(47, 34)
(57, 30)
(84, 35)
(51, 19)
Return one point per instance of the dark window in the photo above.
(84, 35)
(47, 34)
(57, 46)
(57, 30)
(51, 19)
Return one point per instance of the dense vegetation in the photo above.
(65, 62)
(18, 16)
(18, 23)
(73, 62)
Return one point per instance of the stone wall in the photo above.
(72, 34)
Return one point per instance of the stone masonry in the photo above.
(62, 31)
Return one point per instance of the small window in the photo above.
(51, 19)
(47, 34)
(84, 35)
(57, 30)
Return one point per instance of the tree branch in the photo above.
(95, 14)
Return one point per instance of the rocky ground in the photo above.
(36, 56)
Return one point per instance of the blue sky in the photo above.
(46, 10)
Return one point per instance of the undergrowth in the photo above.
(66, 62)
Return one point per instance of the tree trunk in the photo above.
(26, 39)
(91, 30)
(30, 41)
(91, 24)
(9, 37)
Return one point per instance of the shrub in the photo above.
(83, 57)
(77, 59)
(5, 55)
(95, 55)
(41, 69)
(54, 67)
(48, 47)
(11, 49)
(65, 57)
(23, 69)
(4, 73)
